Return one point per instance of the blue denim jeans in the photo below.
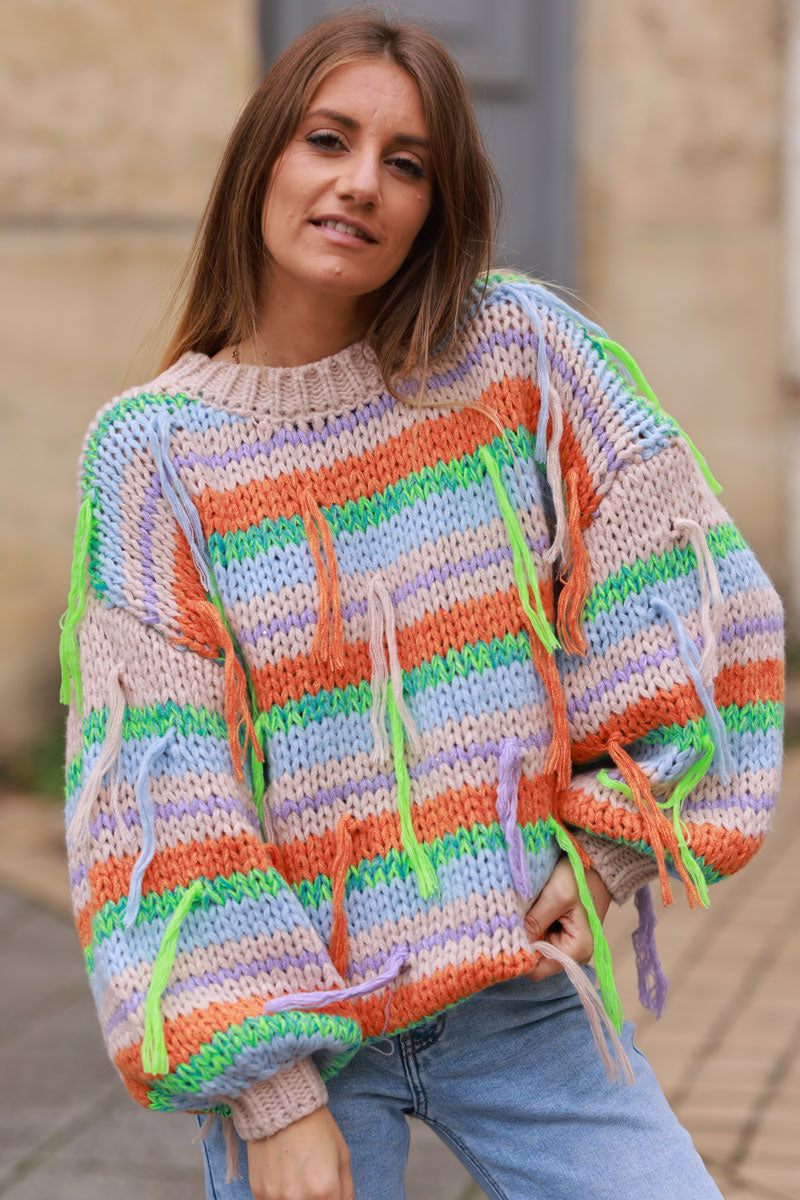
(511, 1081)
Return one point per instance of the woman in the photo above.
(405, 631)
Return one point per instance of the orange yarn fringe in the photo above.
(337, 950)
(576, 588)
(559, 757)
(328, 633)
(658, 830)
(237, 707)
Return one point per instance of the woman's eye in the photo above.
(409, 166)
(325, 139)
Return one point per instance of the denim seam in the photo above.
(410, 1062)
(206, 1156)
(431, 1035)
(484, 1176)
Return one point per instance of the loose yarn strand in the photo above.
(510, 770)
(712, 601)
(651, 980)
(144, 804)
(69, 652)
(602, 953)
(155, 1060)
(524, 567)
(607, 346)
(418, 854)
(109, 754)
(619, 1071)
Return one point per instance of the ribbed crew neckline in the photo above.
(333, 384)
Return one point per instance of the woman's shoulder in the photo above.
(121, 427)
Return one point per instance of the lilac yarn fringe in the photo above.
(652, 980)
(507, 796)
(300, 1000)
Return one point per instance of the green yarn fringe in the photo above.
(155, 1059)
(607, 346)
(76, 602)
(523, 560)
(682, 789)
(417, 853)
(602, 953)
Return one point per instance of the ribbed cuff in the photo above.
(279, 1100)
(622, 869)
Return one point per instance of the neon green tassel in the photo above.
(76, 602)
(417, 854)
(154, 1049)
(257, 771)
(637, 375)
(523, 560)
(685, 785)
(602, 954)
(615, 784)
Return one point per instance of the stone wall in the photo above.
(680, 128)
(113, 117)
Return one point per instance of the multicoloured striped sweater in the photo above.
(349, 673)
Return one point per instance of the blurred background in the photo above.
(650, 153)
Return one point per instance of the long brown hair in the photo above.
(423, 304)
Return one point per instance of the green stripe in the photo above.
(357, 699)
(226, 1046)
(762, 716)
(161, 905)
(658, 568)
(356, 516)
(383, 869)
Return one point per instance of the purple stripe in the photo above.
(173, 809)
(449, 757)
(363, 415)
(621, 675)
(192, 983)
(753, 625)
(80, 875)
(746, 801)
(447, 933)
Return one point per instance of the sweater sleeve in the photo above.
(674, 698)
(187, 926)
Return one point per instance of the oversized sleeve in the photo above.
(188, 929)
(672, 653)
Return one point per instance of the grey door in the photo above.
(518, 57)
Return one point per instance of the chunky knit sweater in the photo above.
(348, 674)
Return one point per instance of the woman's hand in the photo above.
(308, 1160)
(558, 916)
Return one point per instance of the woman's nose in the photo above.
(359, 179)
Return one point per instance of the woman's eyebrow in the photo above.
(404, 139)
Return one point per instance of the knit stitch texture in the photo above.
(291, 564)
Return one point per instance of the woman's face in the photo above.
(352, 189)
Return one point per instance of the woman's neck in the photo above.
(292, 331)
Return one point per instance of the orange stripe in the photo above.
(454, 436)
(177, 866)
(677, 706)
(738, 684)
(746, 683)
(444, 813)
(418, 1000)
(465, 623)
(725, 850)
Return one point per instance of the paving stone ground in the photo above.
(727, 1050)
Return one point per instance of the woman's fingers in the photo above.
(558, 916)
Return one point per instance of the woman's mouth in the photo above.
(352, 231)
